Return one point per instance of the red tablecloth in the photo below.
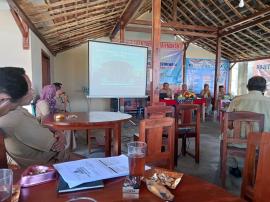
(174, 102)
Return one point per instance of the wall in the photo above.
(36, 47)
(194, 51)
(11, 49)
(71, 69)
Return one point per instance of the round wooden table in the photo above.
(110, 121)
(190, 189)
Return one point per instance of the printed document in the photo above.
(92, 169)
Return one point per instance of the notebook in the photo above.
(64, 188)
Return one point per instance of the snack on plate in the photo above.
(59, 117)
(167, 178)
(37, 174)
(159, 190)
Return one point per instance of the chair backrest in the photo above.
(151, 131)
(242, 123)
(3, 155)
(183, 116)
(256, 178)
(158, 110)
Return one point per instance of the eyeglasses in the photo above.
(4, 100)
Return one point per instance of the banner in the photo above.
(262, 68)
(202, 71)
(170, 60)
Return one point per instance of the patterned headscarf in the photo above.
(48, 93)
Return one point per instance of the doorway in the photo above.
(46, 71)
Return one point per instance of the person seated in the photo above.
(61, 98)
(9, 100)
(254, 101)
(46, 104)
(183, 90)
(185, 93)
(221, 93)
(166, 89)
(205, 93)
(27, 142)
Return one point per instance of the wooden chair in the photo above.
(159, 109)
(3, 155)
(256, 179)
(151, 132)
(234, 120)
(185, 128)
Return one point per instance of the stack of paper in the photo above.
(92, 169)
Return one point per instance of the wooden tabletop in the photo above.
(110, 121)
(85, 119)
(190, 189)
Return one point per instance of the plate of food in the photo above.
(165, 177)
(37, 174)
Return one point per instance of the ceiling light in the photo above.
(241, 3)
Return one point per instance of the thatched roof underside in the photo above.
(67, 23)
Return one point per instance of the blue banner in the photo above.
(201, 71)
(170, 66)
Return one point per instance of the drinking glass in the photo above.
(81, 199)
(6, 180)
(136, 160)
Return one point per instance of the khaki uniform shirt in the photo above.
(26, 141)
(254, 101)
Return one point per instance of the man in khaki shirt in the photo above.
(254, 101)
(26, 141)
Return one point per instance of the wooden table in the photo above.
(201, 102)
(190, 189)
(110, 121)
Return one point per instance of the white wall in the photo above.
(194, 51)
(36, 47)
(71, 69)
(11, 48)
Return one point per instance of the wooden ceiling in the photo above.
(63, 24)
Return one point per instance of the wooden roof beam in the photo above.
(175, 25)
(245, 26)
(23, 28)
(186, 33)
(252, 59)
(13, 5)
(130, 10)
(246, 19)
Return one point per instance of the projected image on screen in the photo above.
(117, 70)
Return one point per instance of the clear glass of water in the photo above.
(82, 199)
(6, 181)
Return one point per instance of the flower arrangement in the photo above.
(186, 96)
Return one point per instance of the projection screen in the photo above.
(116, 70)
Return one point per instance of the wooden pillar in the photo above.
(122, 33)
(186, 44)
(156, 29)
(122, 40)
(217, 70)
(175, 10)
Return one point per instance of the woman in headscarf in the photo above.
(46, 104)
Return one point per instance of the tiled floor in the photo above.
(208, 168)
